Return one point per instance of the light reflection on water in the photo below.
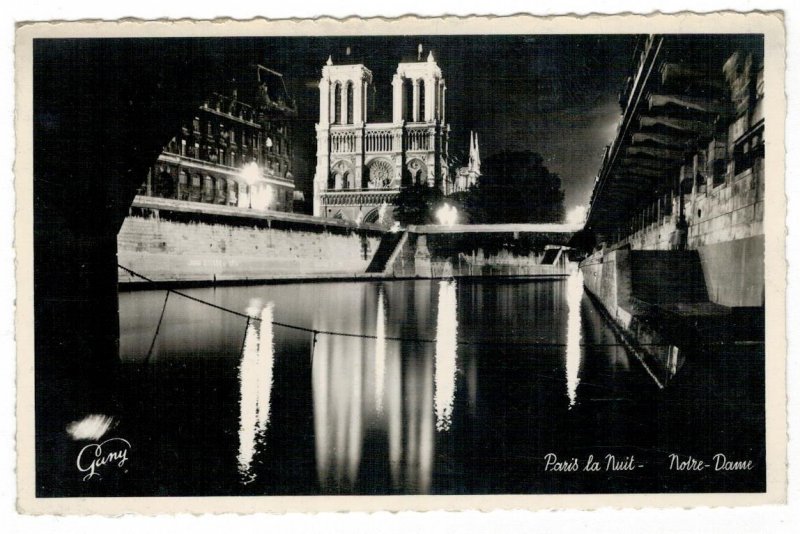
(446, 338)
(573, 362)
(372, 386)
(380, 352)
(255, 379)
(337, 383)
(377, 412)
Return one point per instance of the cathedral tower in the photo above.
(361, 166)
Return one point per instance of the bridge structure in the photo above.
(561, 230)
(102, 111)
(675, 225)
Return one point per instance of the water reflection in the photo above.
(674, 361)
(377, 394)
(266, 359)
(446, 346)
(255, 379)
(573, 356)
(337, 378)
(380, 351)
(374, 414)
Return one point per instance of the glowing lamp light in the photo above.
(251, 173)
(447, 215)
(577, 215)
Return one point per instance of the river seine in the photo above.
(419, 387)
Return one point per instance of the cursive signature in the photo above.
(94, 456)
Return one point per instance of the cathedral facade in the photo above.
(362, 165)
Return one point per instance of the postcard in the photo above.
(401, 264)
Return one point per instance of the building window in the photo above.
(349, 103)
(166, 184)
(747, 152)
(208, 189)
(718, 168)
(422, 90)
(183, 183)
(233, 189)
(408, 103)
(337, 103)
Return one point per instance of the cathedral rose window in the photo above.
(380, 174)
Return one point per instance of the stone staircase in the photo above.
(389, 243)
(668, 289)
(550, 256)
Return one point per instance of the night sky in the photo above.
(555, 95)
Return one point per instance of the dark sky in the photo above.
(555, 95)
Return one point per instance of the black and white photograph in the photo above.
(435, 262)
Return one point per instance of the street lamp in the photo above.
(251, 174)
(447, 215)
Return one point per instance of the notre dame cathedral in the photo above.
(361, 165)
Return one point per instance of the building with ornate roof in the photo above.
(231, 152)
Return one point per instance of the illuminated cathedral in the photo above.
(362, 165)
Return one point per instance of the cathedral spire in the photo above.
(474, 153)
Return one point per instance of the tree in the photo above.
(415, 204)
(515, 187)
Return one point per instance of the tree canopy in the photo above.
(515, 187)
(416, 204)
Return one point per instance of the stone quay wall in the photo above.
(435, 255)
(726, 228)
(175, 241)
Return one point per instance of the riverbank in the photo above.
(173, 243)
(143, 285)
(660, 305)
(176, 241)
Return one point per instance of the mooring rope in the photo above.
(315, 332)
(158, 327)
